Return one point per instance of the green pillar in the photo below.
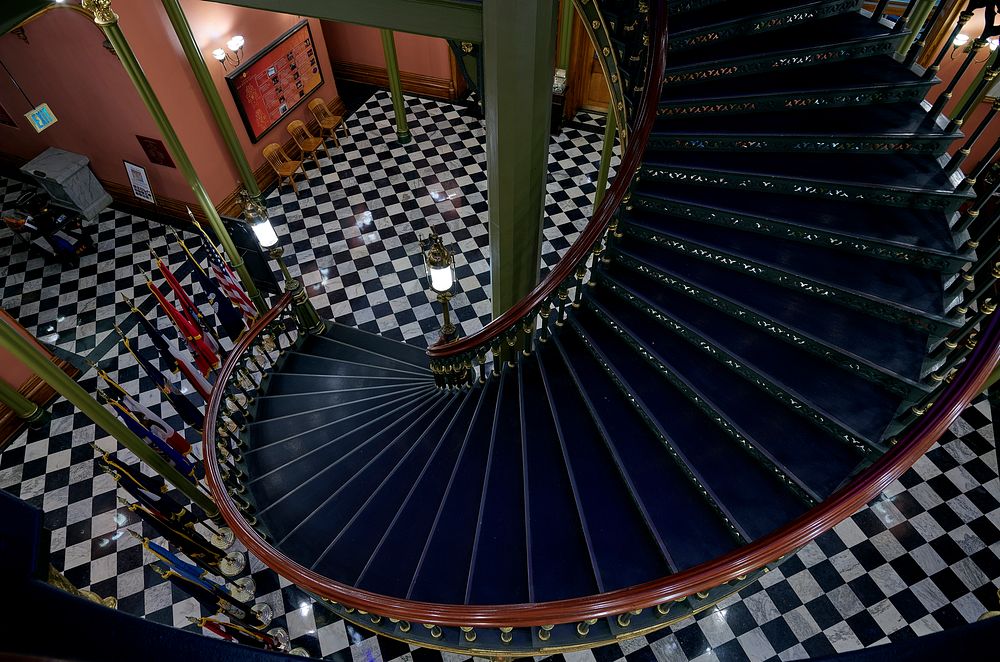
(107, 20)
(921, 10)
(40, 364)
(20, 405)
(607, 150)
(395, 87)
(518, 43)
(565, 34)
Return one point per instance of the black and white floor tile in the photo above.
(922, 557)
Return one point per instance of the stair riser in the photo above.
(793, 402)
(789, 335)
(675, 7)
(817, 144)
(883, 310)
(862, 96)
(777, 20)
(697, 73)
(892, 197)
(759, 225)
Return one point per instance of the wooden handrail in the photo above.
(605, 212)
(968, 382)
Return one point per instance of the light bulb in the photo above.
(219, 54)
(235, 44)
(441, 280)
(266, 236)
(961, 39)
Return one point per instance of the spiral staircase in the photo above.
(780, 304)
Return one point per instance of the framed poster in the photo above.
(140, 183)
(155, 151)
(276, 80)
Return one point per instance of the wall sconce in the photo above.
(235, 45)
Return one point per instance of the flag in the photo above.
(154, 485)
(156, 424)
(227, 314)
(204, 358)
(188, 308)
(172, 357)
(211, 600)
(238, 634)
(227, 280)
(162, 448)
(188, 569)
(190, 542)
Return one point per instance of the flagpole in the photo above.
(201, 318)
(38, 363)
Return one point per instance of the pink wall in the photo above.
(99, 111)
(416, 54)
(12, 370)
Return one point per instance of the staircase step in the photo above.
(356, 519)
(349, 484)
(914, 181)
(757, 499)
(290, 494)
(498, 573)
(673, 502)
(876, 80)
(443, 569)
(839, 38)
(332, 348)
(289, 383)
(905, 294)
(913, 236)
(859, 406)
(297, 361)
(887, 129)
(709, 26)
(334, 403)
(363, 339)
(898, 348)
(625, 551)
(560, 558)
(681, 7)
(783, 439)
(390, 566)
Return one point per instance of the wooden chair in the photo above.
(283, 164)
(306, 141)
(328, 122)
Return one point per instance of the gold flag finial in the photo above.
(101, 11)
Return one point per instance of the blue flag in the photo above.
(175, 459)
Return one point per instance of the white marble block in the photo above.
(68, 181)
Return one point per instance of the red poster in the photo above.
(273, 82)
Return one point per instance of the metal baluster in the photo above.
(945, 96)
(543, 334)
(972, 100)
(482, 367)
(511, 342)
(968, 343)
(905, 16)
(496, 358)
(563, 298)
(963, 153)
(879, 10)
(981, 167)
(966, 279)
(528, 326)
(972, 212)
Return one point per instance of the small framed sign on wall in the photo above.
(140, 183)
(273, 82)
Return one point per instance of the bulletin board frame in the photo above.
(279, 48)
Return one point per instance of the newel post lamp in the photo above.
(305, 312)
(440, 265)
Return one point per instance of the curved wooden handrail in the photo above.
(867, 485)
(578, 252)
(956, 396)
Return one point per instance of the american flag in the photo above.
(227, 280)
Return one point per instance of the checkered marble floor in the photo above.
(923, 556)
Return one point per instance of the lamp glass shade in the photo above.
(266, 236)
(961, 39)
(219, 54)
(236, 43)
(441, 277)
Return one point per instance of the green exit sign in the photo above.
(41, 117)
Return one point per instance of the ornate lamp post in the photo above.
(440, 265)
(309, 320)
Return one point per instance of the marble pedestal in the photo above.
(68, 181)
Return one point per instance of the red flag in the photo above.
(187, 305)
(203, 355)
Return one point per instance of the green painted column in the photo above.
(395, 87)
(107, 20)
(565, 34)
(918, 16)
(40, 364)
(518, 43)
(607, 150)
(21, 406)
